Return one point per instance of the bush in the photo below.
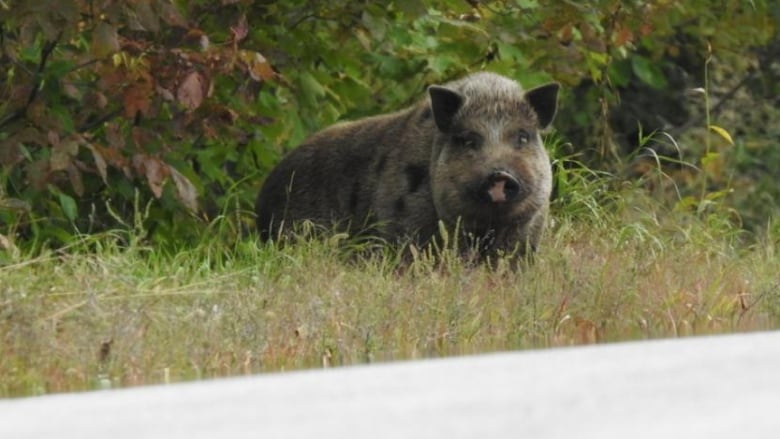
(178, 109)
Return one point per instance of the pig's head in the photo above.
(489, 167)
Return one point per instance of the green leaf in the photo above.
(375, 25)
(63, 116)
(311, 89)
(596, 62)
(511, 51)
(619, 73)
(527, 4)
(411, 8)
(458, 30)
(710, 158)
(648, 72)
(440, 64)
(722, 133)
(68, 205)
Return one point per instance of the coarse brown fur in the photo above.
(469, 156)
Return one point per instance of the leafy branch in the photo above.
(46, 51)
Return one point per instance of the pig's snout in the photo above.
(501, 187)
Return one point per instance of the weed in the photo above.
(111, 310)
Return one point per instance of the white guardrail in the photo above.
(705, 387)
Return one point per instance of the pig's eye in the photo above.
(467, 139)
(522, 138)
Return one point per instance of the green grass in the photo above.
(615, 265)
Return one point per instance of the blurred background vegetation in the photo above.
(165, 115)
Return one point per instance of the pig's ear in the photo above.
(544, 101)
(444, 104)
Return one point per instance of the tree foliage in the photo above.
(164, 115)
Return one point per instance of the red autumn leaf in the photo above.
(137, 98)
(623, 36)
(257, 65)
(209, 131)
(240, 30)
(38, 173)
(110, 78)
(190, 91)
(114, 136)
(62, 154)
(95, 100)
(115, 158)
(143, 137)
(100, 162)
(165, 93)
(54, 138)
(70, 90)
(74, 175)
(154, 170)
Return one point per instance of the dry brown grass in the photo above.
(101, 315)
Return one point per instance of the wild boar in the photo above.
(468, 157)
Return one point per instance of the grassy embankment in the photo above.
(615, 265)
